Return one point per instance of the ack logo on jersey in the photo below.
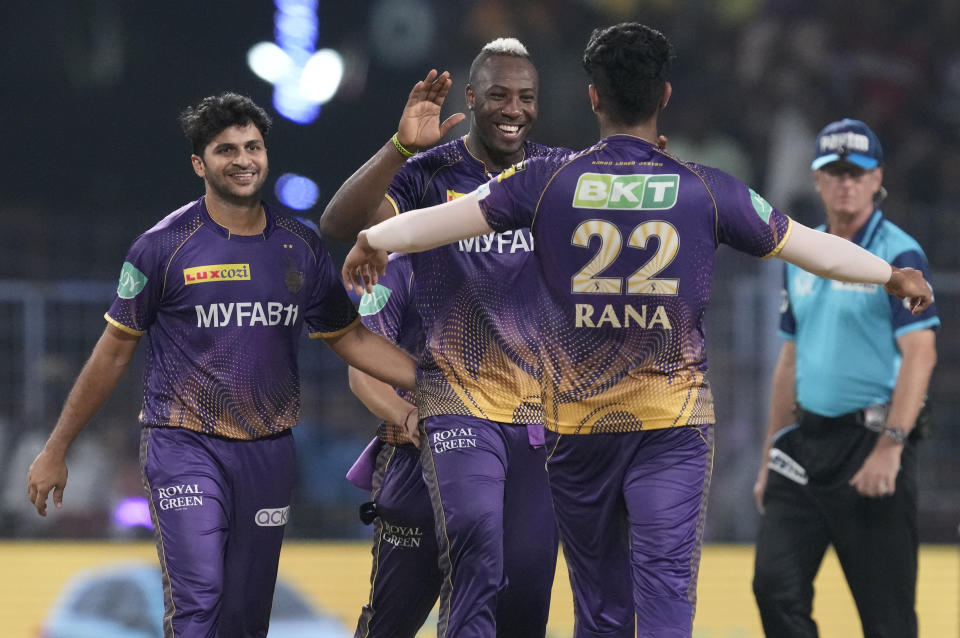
(132, 281)
(452, 195)
(216, 272)
(373, 302)
(626, 192)
(272, 517)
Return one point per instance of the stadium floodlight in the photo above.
(321, 76)
(303, 78)
(269, 62)
(296, 191)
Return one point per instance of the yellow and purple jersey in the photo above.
(223, 315)
(389, 312)
(626, 237)
(478, 358)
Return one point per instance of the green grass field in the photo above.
(335, 576)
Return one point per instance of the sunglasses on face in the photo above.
(839, 169)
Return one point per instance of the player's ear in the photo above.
(594, 98)
(198, 166)
(667, 92)
(471, 98)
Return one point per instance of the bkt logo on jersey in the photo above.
(626, 192)
(216, 272)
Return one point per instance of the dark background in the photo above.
(94, 156)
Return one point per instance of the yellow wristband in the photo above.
(400, 148)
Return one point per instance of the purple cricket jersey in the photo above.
(471, 296)
(387, 311)
(223, 315)
(626, 237)
(405, 579)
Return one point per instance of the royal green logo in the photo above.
(373, 302)
(132, 281)
(626, 192)
(760, 205)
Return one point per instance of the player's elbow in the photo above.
(331, 226)
(357, 381)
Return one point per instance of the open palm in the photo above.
(420, 126)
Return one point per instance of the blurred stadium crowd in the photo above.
(94, 158)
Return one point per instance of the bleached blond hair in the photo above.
(501, 46)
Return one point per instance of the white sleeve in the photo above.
(428, 228)
(832, 257)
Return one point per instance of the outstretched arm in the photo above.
(360, 202)
(413, 232)
(96, 381)
(833, 257)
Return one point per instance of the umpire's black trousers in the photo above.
(875, 539)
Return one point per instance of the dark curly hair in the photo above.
(629, 65)
(206, 120)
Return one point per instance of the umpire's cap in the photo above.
(847, 141)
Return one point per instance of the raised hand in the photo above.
(420, 126)
(908, 283)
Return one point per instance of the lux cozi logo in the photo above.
(626, 192)
(216, 272)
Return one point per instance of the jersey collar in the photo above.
(864, 236)
(226, 234)
(489, 171)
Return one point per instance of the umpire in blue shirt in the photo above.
(847, 406)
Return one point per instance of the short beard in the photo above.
(237, 200)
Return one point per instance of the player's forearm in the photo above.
(378, 397)
(833, 257)
(374, 355)
(355, 204)
(428, 228)
(93, 387)
(913, 379)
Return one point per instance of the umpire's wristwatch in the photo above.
(897, 435)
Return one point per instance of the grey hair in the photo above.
(501, 46)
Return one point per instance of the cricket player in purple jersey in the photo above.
(626, 237)
(223, 288)
(482, 457)
(405, 579)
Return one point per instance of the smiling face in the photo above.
(502, 97)
(234, 165)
